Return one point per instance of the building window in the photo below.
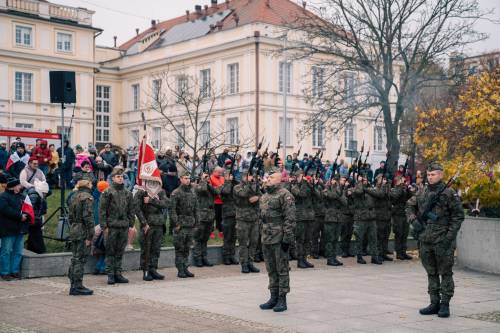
(181, 134)
(134, 135)
(205, 132)
(379, 138)
(156, 139)
(23, 86)
(350, 138)
(318, 77)
(318, 135)
(24, 36)
(24, 125)
(102, 113)
(64, 42)
(234, 78)
(285, 74)
(182, 88)
(136, 97)
(232, 133)
(205, 83)
(66, 133)
(287, 140)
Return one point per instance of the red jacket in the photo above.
(42, 153)
(217, 181)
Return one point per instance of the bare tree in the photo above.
(187, 105)
(374, 55)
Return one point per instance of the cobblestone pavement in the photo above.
(352, 298)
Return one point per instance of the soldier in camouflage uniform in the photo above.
(399, 196)
(246, 199)
(437, 233)
(365, 224)
(205, 193)
(303, 192)
(383, 214)
(347, 221)
(149, 211)
(116, 215)
(277, 211)
(334, 201)
(229, 220)
(81, 219)
(318, 236)
(184, 217)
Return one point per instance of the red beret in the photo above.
(33, 158)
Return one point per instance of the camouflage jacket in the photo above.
(399, 196)
(382, 201)
(228, 208)
(318, 201)
(364, 202)
(303, 194)
(116, 207)
(277, 211)
(334, 201)
(205, 194)
(448, 212)
(81, 215)
(347, 210)
(152, 212)
(246, 211)
(184, 210)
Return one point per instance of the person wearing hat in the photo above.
(31, 173)
(20, 158)
(184, 215)
(116, 216)
(383, 214)
(229, 219)
(277, 212)
(43, 155)
(37, 194)
(400, 194)
(13, 227)
(66, 167)
(4, 155)
(437, 234)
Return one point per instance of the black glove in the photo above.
(285, 247)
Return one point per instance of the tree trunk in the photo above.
(393, 147)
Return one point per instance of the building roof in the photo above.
(221, 16)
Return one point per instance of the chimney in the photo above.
(304, 4)
(236, 19)
(219, 25)
(214, 3)
(136, 31)
(187, 14)
(153, 24)
(115, 38)
(206, 9)
(197, 9)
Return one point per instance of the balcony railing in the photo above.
(49, 10)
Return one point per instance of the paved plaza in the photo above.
(353, 298)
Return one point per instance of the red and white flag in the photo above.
(27, 208)
(15, 158)
(147, 166)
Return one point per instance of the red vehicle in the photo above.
(29, 137)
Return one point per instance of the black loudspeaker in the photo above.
(62, 87)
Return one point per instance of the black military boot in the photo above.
(361, 260)
(271, 303)
(227, 261)
(308, 264)
(376, 260)
(181, 272)
(111, 279)
(385, 257)
(400, 256)
(84, 291)
(252, 268)
(281, 305)
(119, 278)
(444, 310)
(188, 273)
(245, 269)
(234, 261)
(155, 275)
(333, 262)
(431, 309)
(301, 263)
(197, 262)
(146, 276)
(206, 263)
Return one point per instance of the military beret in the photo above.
(184, 173)
(244, 172)
(298, 172)
(435, 166)
(82, 176)
(117, 171)
(273, 170)
(377, 177)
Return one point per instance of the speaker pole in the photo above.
(63, 159)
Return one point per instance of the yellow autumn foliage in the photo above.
(466, 137)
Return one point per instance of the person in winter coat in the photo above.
(31, 173)
(20, 158)
(37, 195)
(13, 227)
(4, 155)
(43, 155)
(66, 167)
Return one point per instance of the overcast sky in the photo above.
(121, 18)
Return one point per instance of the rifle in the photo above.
(360, 156)
(313, 161)
(366, 157)
(233, 160)
(277, 156)
(385, 164)
(293, 161)
(334, 167)
(254, 156)
(421, 223)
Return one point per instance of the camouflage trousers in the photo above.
(318, 236)
(438, 260)
(248, 238)
(303, 236)
(401, 228)
(182, 243)
(362, 230)
(383, 232)
(115, 244)
(80, 253)
(229, 227)
(153, 240)
(277, 268)
(332, 234)
(201, 236)
(346, 231)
